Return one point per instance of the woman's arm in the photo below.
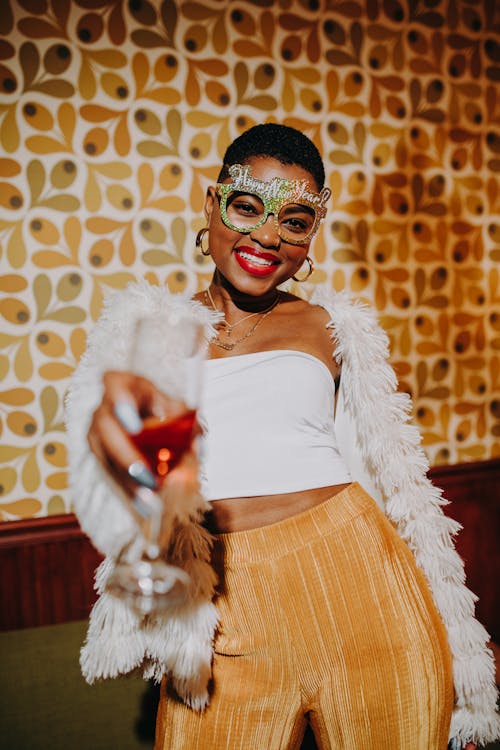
(100, 485)
(389, 449)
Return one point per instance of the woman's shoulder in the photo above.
(325, 306)
(311, 313)
(306, 327)
(297, 305)
(344, 309)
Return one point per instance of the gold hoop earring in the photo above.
(311, 269)
(199, 242)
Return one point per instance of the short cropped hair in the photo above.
(286, 145)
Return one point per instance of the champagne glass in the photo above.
(168, 349)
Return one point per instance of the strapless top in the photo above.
(268, 425)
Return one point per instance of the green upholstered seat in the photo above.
(45, 704)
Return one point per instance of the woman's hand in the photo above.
(127, 400)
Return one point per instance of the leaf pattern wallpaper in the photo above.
(114, 116)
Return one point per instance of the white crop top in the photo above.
(268, 425)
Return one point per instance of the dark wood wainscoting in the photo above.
(46, 572)
(47, 564)
(474, 493)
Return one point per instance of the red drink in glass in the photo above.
(164, 441)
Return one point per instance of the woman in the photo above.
(322, 613)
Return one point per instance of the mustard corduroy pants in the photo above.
(324, 618)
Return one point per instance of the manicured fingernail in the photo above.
(142, 475)
(140, 506)
(142, 502)
(128, 416)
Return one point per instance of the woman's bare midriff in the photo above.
(244, 513)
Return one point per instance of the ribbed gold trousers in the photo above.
(324, 618)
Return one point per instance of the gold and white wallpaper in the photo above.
(113, 120)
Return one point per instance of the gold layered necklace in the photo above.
(228, 328)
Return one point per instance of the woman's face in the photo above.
(257, 261)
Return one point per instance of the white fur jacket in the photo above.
(383, 453)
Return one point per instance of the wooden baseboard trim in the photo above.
(33, 531)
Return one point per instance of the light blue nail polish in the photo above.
(128, 416)
(146, 502)
(142, 507)
(142, 475)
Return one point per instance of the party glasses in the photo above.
(246, 202)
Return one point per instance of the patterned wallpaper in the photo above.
(113, 120)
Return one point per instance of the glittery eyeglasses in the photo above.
(246, 202)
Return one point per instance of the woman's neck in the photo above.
(229, 300)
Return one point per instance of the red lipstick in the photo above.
(257, 264)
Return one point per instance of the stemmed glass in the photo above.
(168, 349)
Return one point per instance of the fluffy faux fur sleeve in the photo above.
(118, 641)
(383, 452)
(98, 501)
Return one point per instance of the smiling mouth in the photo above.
(263, 261)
